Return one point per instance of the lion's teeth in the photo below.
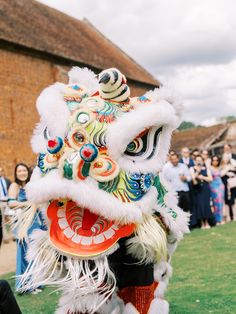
(61, 213)
(68, 232)
(98, 239)
(76, 238)
(63, 223)
(109, 233)
(86, 240)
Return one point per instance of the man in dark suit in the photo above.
(185, 159)
(228, 150)
(4, 186)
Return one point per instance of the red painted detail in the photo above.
(89, 219)
(79, 172)
(87, 152)
(52, 143)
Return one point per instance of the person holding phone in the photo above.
(201, 177)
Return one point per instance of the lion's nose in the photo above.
(88, 152)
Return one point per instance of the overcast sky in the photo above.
(187, 44)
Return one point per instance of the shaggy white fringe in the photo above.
(99, 202)
(149, 245)
(169, 94)
(54, 115)
(130, 309)
(162, 274)
(159, 306)
(38, 142)
(22, 220)
(178, 226)
(85, 77)
(86, 285)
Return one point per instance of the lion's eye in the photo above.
(144, 145)
(134, 147)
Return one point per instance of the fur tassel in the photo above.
(22, 220)
(149, 243)
(86, 285)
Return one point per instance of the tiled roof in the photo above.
(33, 25)
(200, 137)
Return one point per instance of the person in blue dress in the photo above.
(17, 198)
(201, 177)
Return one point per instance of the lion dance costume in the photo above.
(111, 217)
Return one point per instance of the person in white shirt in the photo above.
(186, 159)
(178, 175)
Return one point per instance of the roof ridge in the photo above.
(57, 30)
(121, 50)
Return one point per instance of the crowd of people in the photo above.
(205, 185)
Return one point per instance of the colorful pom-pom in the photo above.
(88, 152)
(54, 146)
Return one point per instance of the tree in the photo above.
(186, 125)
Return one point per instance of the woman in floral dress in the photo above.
(217, 189)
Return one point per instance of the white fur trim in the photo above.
(114, 305)
(53, 186)
(54, 115)
(148, 201)
(85, 77)
(162, 271)
(130, 309)
(53, 109)
(162, 274)
(159, 306)
(168, 94)
(38, 142)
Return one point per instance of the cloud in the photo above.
(208, 91)
(188, 44)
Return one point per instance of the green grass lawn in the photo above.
(204, 278)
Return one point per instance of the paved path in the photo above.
(7, 257)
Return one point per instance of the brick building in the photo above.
(38, 45)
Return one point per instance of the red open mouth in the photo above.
(77, 231)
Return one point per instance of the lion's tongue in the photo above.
(89, 219)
